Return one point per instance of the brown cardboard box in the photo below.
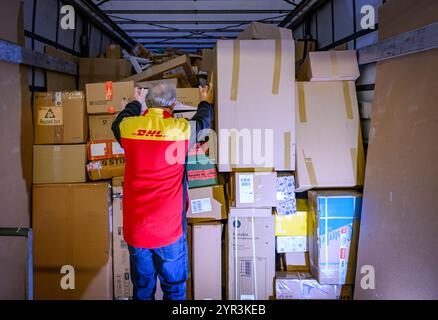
(207, 60)
(101, 70)
(333, 234)
(302, 49)
(298, 286)
(296, 261)
(113, 51)
(106, 169)
(207, 204)
(109, 97)
(140, 51)
(56, 81)
(60, 117)
(71, 227)
(254, 189)
(100, 126)
(175, 68)
(104, 149)
(258, 30)
(330, 66)
(264, 240)
(254, 76)
(59, 163)
(188, 99)
(328, 137)
(207, 261)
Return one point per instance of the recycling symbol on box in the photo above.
(50, 114)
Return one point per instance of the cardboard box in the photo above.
(292, 244)
(71, 227)
(330, 66)
(252, 75)
(60, 117)
(296, 261)
(207, 261)
(176, 68)
(293, 225)
(299, 286)
(113, 51)
(184, 114)
(201, 171)
(207, 60)
(56, 81)
(302, 49)
(286, 201)
(99, 70)
(207, 204)
(333, 235)
(258, 30)
(59, 163)
(241, 220)
(100, 126)
(329, 141)
(109, 97)
(106, 169)
(140, 51)
(104, 149)
(188, 98)
(254, 189)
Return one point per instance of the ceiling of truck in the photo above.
(191, 25)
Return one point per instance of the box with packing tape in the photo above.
(60, 117)
(100, 126)
(301, 285)
(328, 139)
(253, 189)
(250, 231)
(334, 227)
(106, 169)
(97, 70)
(330, 66)
(104, 149)
(207, 204)
(109, 97)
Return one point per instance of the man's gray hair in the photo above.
(161, 94)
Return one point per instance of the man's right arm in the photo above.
(132, 109)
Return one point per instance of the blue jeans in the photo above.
(169, 263)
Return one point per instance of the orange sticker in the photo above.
(109, 90)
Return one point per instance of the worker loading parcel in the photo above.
(218, 150)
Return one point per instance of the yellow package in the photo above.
(294, 225)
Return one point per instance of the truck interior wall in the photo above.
(16, 138)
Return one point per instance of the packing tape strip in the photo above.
(310, 170)
(236, 70)
(347, 99)
(277, 68)
(288, 150)
(301, 102)
(233, 151)
(334, 63)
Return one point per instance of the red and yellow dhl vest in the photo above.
(155, 152)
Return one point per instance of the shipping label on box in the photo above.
(241, 238)
(106, 169)
(298, 286)
(333, 243)
(286, 202)
(60, 117)
(207, 203)
(104, 149)
(255, 189)
(291, 244)
(201, 171)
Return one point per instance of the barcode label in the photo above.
(117, 148)
(201, 205)
(247, 297)
(246, 187)
(246, 268)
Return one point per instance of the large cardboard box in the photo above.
(333, 235)
(253, 189)
(97, 70)
(59, 163)
(188, 98)
(100, 126)
(254, 85)
(330, 66)
(241, 238)
(104, 149)
(106, 169)
(299, 286)
(60, 117)
(207, 60)
(109, 97)
(71, 227)
(329, 141)
(207, 261)
(258, 30)
(179, 67)
(207, 204)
